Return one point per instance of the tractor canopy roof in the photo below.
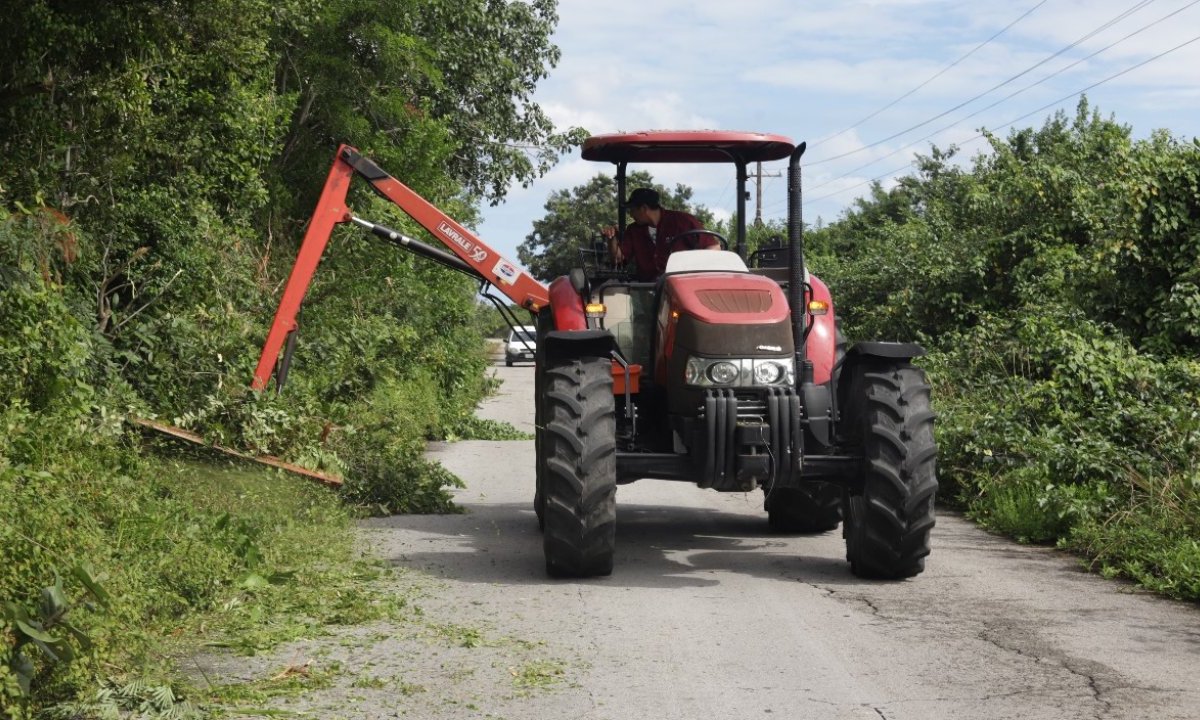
(687, 146)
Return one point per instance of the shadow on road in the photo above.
(657, 547)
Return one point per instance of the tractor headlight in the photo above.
(768, 372)
(739, 372)
(723, 373)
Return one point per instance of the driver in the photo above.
(650, 237)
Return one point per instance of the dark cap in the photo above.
(642, 196)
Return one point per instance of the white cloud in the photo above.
(808, 69)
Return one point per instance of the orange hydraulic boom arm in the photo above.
(470, 254)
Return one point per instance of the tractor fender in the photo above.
(867, 352)
(562, 328)
(566, 305)
(822, 344)
(885, 350)
(567, 344)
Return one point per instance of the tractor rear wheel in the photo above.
(887, 524)
(539, 498)
(579, 468)
(811, 508)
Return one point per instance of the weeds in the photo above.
(241, 557)
(460, 635)
(537, 674)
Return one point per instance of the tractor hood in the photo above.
(722, 298)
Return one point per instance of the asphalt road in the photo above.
(707, 615)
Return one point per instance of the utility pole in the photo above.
(758, 176)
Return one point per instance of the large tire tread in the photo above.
(578, 449)
(887, 527)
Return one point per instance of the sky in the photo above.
(867, 83)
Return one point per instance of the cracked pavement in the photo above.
(707, 615)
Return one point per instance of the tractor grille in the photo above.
(776, 411)
(751, 407)
(735, 301)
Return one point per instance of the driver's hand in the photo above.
(614, 248)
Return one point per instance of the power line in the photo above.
(1007, 97)
(933, 77)
(887, 174)
(1114, 76)
(1027, 115)
(1027, 70)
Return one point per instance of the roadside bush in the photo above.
(1054, 430)
(105, 551)
(1054, 284)
(161, 162)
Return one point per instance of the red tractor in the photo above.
(729, 377)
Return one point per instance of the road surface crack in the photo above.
(1097, 693)
(850, 597)
(1024, 647)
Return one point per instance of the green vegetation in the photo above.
(160, 163)
(156, 553)
(1056, 281)
(538, 674)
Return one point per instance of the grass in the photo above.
(190, 551)
(460, 635)
(291, 681)
(538, 675)
(1019, 508)
(1147, 532)
(304, 572)
(1154, 539)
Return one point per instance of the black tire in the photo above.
(887, 525)
(508, 362)
(811, 508)
(579, 478)
(539, 499)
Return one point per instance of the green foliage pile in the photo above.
(1056, 281)
(160, 161)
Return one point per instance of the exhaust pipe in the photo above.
(796, 263)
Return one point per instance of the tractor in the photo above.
(730, 377)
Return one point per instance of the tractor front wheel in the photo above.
(888, 523)
(577, 455)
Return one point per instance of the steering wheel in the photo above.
(720, 238)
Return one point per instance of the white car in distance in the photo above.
(521, 345)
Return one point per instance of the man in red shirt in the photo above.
(651, 237)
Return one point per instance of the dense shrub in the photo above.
(160, 164)
(1054, 282)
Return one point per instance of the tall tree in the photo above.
(184, 143)
(431, 88)
(575, 217)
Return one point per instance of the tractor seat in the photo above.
(686, 261)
